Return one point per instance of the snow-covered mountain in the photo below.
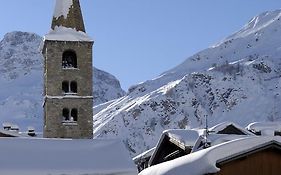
(236, 80)
(106, 87)
(21, 81)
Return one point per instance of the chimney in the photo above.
(31, 131)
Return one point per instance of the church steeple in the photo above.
(68, 76)
(68, 14)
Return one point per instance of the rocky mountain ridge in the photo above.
(238, 80)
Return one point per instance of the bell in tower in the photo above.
(67, 50)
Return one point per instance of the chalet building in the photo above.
(180, 142)
(174, 144)
(249, 155)
(264, 159)
(67, 51)
(177, 143)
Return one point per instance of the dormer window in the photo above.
(69, 88)
(69, 60)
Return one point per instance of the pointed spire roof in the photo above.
(68, 14)
(67, 24)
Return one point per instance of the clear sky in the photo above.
(137, 40)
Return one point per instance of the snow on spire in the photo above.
(68, 14)
(62, 8)
(67, 24)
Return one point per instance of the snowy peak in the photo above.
(258, 23)
(19, 54)
(259, 39)
(17, 37)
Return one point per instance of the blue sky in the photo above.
(137, 40)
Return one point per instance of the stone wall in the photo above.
(56, 100)
(55, 127)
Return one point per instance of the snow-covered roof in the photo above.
(11, 133)
(266, 128)
(221, 126)
(204, 161)
(61, 33)
(215, 139)
(186, 137)
(181, 137)
(58, 156)
(193, 137)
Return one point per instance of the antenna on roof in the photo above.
(206, 124)
(207, 144)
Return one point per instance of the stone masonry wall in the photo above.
(56, 100)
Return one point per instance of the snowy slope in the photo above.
(236, 80)
(21, 81)
(106, 87)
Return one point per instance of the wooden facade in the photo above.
(266, 161)
(169, 149)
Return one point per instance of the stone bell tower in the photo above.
(67, 50)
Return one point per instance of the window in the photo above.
(74, 115)
(65, 114)
(69, 88)
(65, 87)
(73, 87)
(69, 59)
(70, 116)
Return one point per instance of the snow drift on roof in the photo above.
(67, 34)
(185, 136)
(57, 156)
(221, 126)
(266, 128)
